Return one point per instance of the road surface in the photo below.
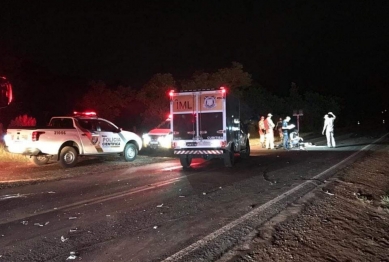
(158, 211)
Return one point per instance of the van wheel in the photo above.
(68, 157)
(185, 161)
(246, 152)
(130, 152)
(40, 160)
(228, 158)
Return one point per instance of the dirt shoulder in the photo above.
(345, 220)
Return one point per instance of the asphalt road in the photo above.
(159, 211)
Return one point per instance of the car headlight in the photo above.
(146, 138)
(165, 141)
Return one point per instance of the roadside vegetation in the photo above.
(385, 201)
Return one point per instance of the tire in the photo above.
(185, 161)
(40, 160)
(68, 157)
(130, 152)
(246, 152)
(228, 158)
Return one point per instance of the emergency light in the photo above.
(86, 113)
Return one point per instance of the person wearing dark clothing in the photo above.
(279, 129)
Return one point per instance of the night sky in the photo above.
(333, 47)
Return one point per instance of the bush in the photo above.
(24, 120)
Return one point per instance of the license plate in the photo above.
(191, 143)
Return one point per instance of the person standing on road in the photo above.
(279, 128)
(269, 126)
(262, 131)
(329, 129)
(285, 129)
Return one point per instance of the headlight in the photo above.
(6, 138)
(146, 138)
(165, 141)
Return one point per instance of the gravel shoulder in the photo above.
(344, 220)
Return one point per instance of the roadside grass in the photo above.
(9, 157)
(385, 201)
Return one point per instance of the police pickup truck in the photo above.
(68, 137)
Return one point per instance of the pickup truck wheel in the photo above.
(228, 158)
(68, 157)
(185, 161)
(130, 152)
(246, 152)
(40, 160)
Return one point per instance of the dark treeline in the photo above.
(40, 94)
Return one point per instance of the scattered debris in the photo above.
(328, 193)
(72, 256)
(72, 230)
(51, 192)
(63, 239)
(38, 224)
(47, 223)
(107, 215)
(25, 222)
(71, 218)
(161, 205)
(155, 227)
(204, 193)
(181, 196)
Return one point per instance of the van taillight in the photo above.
(36, 134)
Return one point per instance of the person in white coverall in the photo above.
(329, 129)
(269, 132)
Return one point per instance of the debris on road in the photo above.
(155, 227)
(328, 193)
(71, 218)
(73, 230)
(161, 205)
(63, 239)
(72, 256)
(37, 224)
(25, 223)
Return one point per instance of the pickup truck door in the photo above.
(109, 137)
(89, 136)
